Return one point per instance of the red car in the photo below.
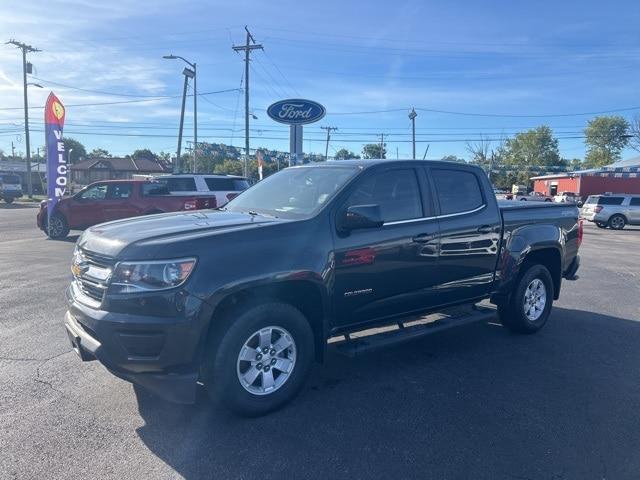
(115, 199)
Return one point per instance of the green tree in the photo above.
(344, 154)
(606, 137)
(98, 153)
(79, 152)
(453, 158)
(144, 153)
(526, 155)
(374, 150)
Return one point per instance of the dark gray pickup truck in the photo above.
(243, 299)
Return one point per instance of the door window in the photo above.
(97, 192)
(395, 191)
(458, 191)
(635, 202)
(118, 191)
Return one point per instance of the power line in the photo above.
(160, 97)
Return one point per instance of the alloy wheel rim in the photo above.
(616, 222)
(56, 226)
(266, 360)
(535, 299)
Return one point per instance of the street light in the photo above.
(188, 74)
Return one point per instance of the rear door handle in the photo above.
(486, 229)
(424, 238)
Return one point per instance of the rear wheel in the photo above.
(8, 199)
(258, 358)
(528, 308)
(523, 199)
(547, 199)
(617, 222)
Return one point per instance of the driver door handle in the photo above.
(424, 238)
(486, 229)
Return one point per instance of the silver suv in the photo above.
(612, 210)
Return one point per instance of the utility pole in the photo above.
(26, 48)
(326, 148)
(412, 116)
(247, 48)
(13, 151)
(195, 115)
(184, 100)
(382, 145)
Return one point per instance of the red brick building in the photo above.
(620, 177)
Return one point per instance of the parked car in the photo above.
(223, 187)
(10, 187)
(112, 200)
(501, 194)
(533, 197)
(242, 300)
(613, 211)
(568, 197)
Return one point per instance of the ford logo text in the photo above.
(296, 111)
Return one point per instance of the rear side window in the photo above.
(610, 200)
(179, 184)
(458, 191)
(226, 184)
(635, 201)
(154, 189)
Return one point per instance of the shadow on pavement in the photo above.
(477, 402)
(18, 206)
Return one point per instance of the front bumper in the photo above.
(161, 354)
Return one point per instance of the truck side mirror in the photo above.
(357, 217)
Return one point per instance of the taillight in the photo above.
(202, 203)
(580, 232)
(598, 209)
(190, 205)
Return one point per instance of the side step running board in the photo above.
(407, 329)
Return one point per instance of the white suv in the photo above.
(224, 187)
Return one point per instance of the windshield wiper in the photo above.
(253, 213)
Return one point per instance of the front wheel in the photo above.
(59, 227)
(258, 359)
(530, 304)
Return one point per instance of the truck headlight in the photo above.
(138, 277)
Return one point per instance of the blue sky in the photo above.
(506, 65)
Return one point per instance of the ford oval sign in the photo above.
(296, 111)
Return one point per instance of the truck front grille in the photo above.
(92, 275)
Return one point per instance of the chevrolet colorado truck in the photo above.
(112, 200)
(243, 299)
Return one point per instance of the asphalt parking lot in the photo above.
(473, 403)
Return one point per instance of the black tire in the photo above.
(601, 225)
(59, 227)
(547, 199)
(617, 222)
(523, 199)
(512, 314)
(221, 370)
(9, 199)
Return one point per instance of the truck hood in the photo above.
(111, 238)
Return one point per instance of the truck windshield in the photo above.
(294, 193)
(9, 179)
